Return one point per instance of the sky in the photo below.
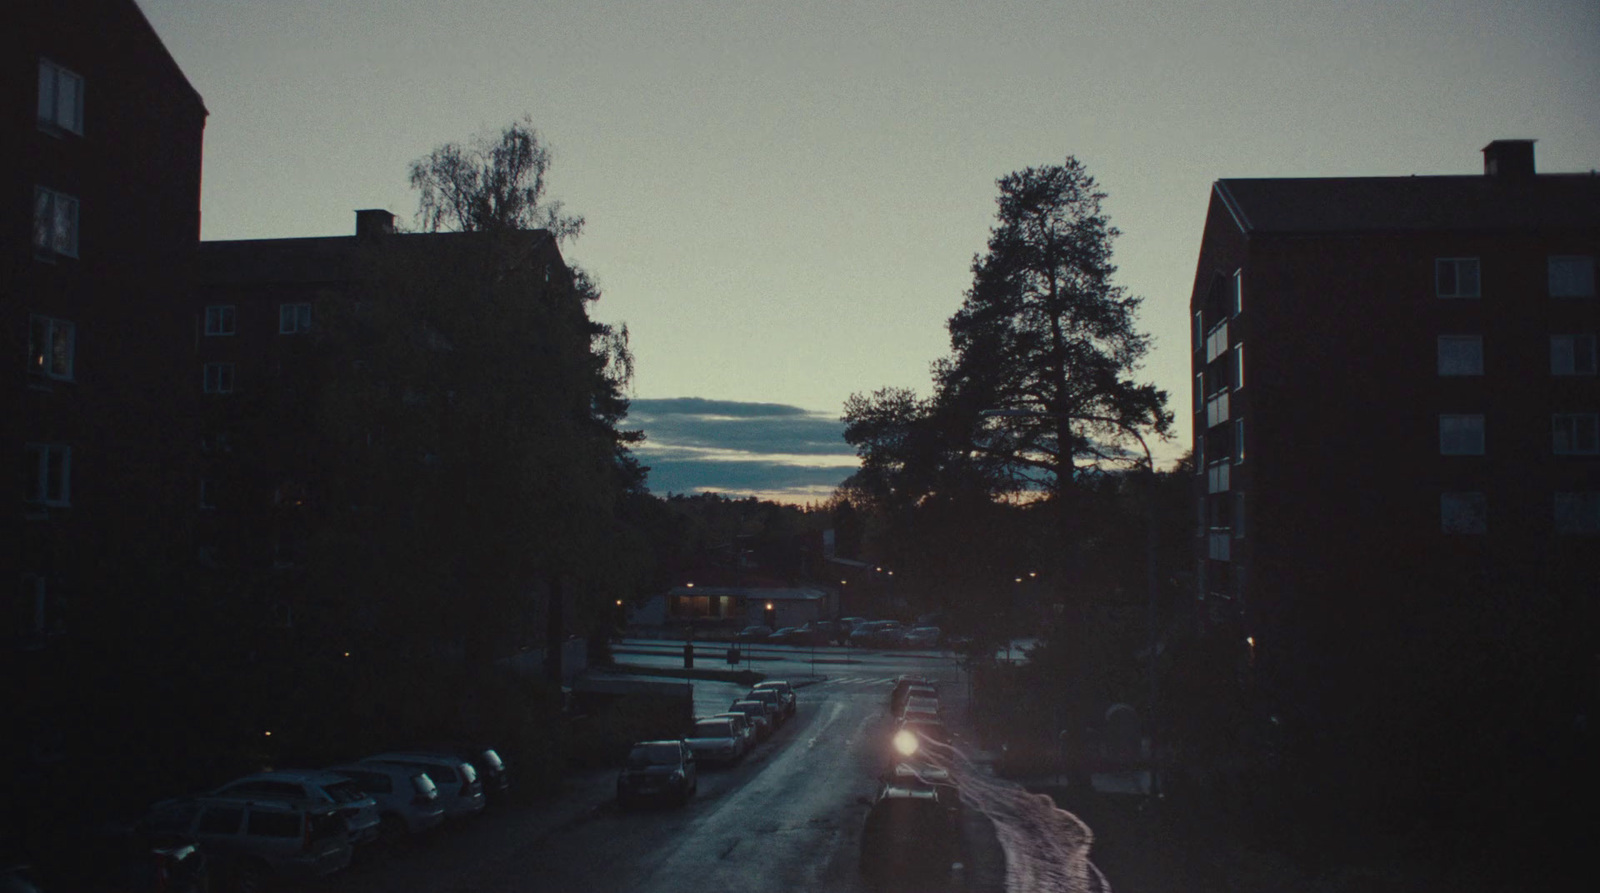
(784, 199)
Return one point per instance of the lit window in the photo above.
(1456, 277)
(1463, 513)
(1578, 512)
(60, 98)
(50, 348)
(219, 319)
(218, 378)
(1461, 435)
(47, 469)
(1576, 433)
(294, 318)
(55, 223)
(1460, 354)
(1572, 355)
(1572, 276)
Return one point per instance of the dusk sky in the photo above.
(784, 198)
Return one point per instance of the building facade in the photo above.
(102, 220)
(1395, 405)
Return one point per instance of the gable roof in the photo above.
(1412, 204)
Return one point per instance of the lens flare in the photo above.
(905, 741)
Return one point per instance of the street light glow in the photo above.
(905, 741)
(688, 585)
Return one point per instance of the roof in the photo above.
(317, 259)
(1412, 204)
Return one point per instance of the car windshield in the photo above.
(654, 755)
(721, 729)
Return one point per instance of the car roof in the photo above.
(308, 776)
(773, 683)
(412, 757)
(294, 803)
(661, 741)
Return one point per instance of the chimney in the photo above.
(1509, 159)
(373, 222)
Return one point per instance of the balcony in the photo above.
(1219, 543)
(1217, 341)
(1217, 409)
(1217, 477)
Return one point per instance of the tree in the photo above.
(490, 184)
(1045, 337)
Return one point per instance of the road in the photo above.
(788, 817)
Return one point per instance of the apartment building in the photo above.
(1396, 408)
(102, 218)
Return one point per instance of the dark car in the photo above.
(760, 714)
(910, 834)
(789, 635)
(658, 770)
(780, 709)
(126, 860)
(825, 631)
(784, 690)
(753, 634)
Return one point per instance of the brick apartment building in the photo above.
(1396, 404)
(102, 219)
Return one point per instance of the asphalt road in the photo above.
(788, 817)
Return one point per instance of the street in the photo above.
(788, 817)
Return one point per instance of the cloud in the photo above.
(771, 450)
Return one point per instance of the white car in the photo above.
(459, 788)
(715, 740)
(408, 800)
(359, 809)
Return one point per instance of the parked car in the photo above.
(408, 800)
(124, 859)
(753, 634)
(760, 714)
(360, 810)
(923, 637)
(877, 634)
(910, 835)
(715, 740)
(658, 769)
(492, 770)
(460, 791)
(766, 695)
(903, 688)
(249, 841)
(784, 690)
(743, 724)
(789, 635)
(826, 631)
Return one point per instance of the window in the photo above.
(1200, 392)
(219, 378)
(1199, 331)
(1572, 355)
(1461, 435)
(50, 348)
(60, 98)
(47, 473)
(219, 319)
(1456, 277)
(1238, 366)
(1572, 276)
(1238, 292)
(1576, 434)
(1463, 513)
(1238, 515)
(1200, 453)
(1238, 441)
(1460, 354)
(55, 223)
(294, 318)
(1578, 512)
